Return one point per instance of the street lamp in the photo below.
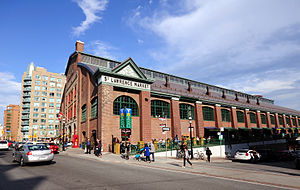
(191, 138)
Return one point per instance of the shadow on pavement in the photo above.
(7, 182)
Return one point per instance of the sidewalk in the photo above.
(200, 168)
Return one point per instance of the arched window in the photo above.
(208, 114)
(240, 117)
(125, 102)
(94, 108)
(252, 118)
(294, 122)
(272, 118)
(160, 108)
(186, 111)
(280, 120)
(225, 115)
(287, 119)
(263, 118)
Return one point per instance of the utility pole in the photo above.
(63, 134)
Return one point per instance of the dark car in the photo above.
(267, 154)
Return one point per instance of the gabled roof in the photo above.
(129, 68)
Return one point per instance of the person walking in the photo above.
(208, 154)
(98, 148)
(88, 146)
(128, 150)
(186, 156)
(147, 153)
(152, 151)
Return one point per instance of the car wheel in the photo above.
(14, 158)
(22, 162)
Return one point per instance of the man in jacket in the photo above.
(152, 151)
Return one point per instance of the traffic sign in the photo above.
(220, 137)
(162, 119)
(162, 125)
(166, 128)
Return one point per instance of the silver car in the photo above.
(29, 153)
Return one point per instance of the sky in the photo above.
(251, 46)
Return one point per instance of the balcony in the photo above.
(24, 123)
(26, 111)
(26, 94)
(27, 78)
(27, 83)
(28, 89)
(26, 100)
(25, 117)
(24, 129)
(26, 106)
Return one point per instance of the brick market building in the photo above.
(97, 88)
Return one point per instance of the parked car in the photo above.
(267, 154)
(4, 145)
(247, 155)
(29, 153)
(53, 147)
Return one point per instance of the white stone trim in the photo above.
(233, 107)
(198, 102)
(218, 105)
(258, 111)
(246, 109)
(175, 98)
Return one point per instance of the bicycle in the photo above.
(199, 155)
(179, 154)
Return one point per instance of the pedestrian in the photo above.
(128, 151)
(147, 153)
(152, 151)
(88, 146)
(186, 157)
(98, 148)
(208, 154)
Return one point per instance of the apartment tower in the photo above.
(11, 122)
(40, 102)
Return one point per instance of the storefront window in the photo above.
(186, 111)
(252, 118)
(160, 108)
(225, 115)
(208, 114)
(240, 117)
(272, 119)
(125, 102)
(263, 118)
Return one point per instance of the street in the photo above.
(68, 172)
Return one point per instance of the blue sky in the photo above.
(251, 46)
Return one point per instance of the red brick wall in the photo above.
(199, 124)
(234, 123)
(176, 128)
(145, 116)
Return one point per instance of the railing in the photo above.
(26, 111)
(27, 78)
(27, 83)
(25, 123)
(24, 129)
(26, 100)
(27, 89)
(26, 94)
(25, 117)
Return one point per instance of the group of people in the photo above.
(97, 146)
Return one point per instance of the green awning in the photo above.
(256, 128)
(244, 128)
(230, 128)
(266, 128)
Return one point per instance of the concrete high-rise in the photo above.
(11, 122)
(40, 102)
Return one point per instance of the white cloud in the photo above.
(252, 46)
(10, 92)
(90, 8)
(101, 49)
(140, 41)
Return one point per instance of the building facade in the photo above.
(97, 88)
(40, 103)
(11, 122)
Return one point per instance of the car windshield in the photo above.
(243, 151)
(3, 142)
(37, 147)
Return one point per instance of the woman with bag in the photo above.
(186, 156)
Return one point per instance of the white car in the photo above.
(4, 145)
(247, 155)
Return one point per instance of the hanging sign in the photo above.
(128, 118)
(122, 118)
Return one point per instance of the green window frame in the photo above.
(160, 108)
(252, 117)
(186, 111)
(280, 120)
(240, 116)
(225, 115)
(94, 108)
(263, 118)
(287, 120)
(208, 114)
(125, 102)
(272, 118)
(83, 113)
(294, 121)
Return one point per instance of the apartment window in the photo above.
(58, 85)
(35, 115)
(35, 104)
(44, 93)
(37, 99)
(52, 79)
(37, 88)
(36, 109)
(58, 95)
(35, 126)
(272, 118)
(44, 104)
(58, 100)
(51, 105)
(52, 89)
(263, 118)
(59, 80)
(43, 115)
(52, 84)
(43, 110)
(37, 93)
(37, 82)
(83, 113)
(45, 83)
(94, 107)
(51, 116)
(51, 110)
(44, 99)
(43, 120)
(252, 118)
(45, 77)
(186, 111)
(51, 94)
(208, 114)
(51, 121)
(57, 111)
(160, 108)
(37, 77)
(58, 105)
(44, 88)
(58, 89)
(51, 99)
(225, 115)
(35, 120)
(240, 116)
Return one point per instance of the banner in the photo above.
(122, 118)
(128, 118)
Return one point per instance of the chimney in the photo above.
(79, 46)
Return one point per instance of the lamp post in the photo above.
(63, 134)
(191, 138)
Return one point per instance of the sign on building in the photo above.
(125, 118)
(122, 118)
(128, 118)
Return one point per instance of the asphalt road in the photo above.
(76, 173)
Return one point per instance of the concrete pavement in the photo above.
(288, 179)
